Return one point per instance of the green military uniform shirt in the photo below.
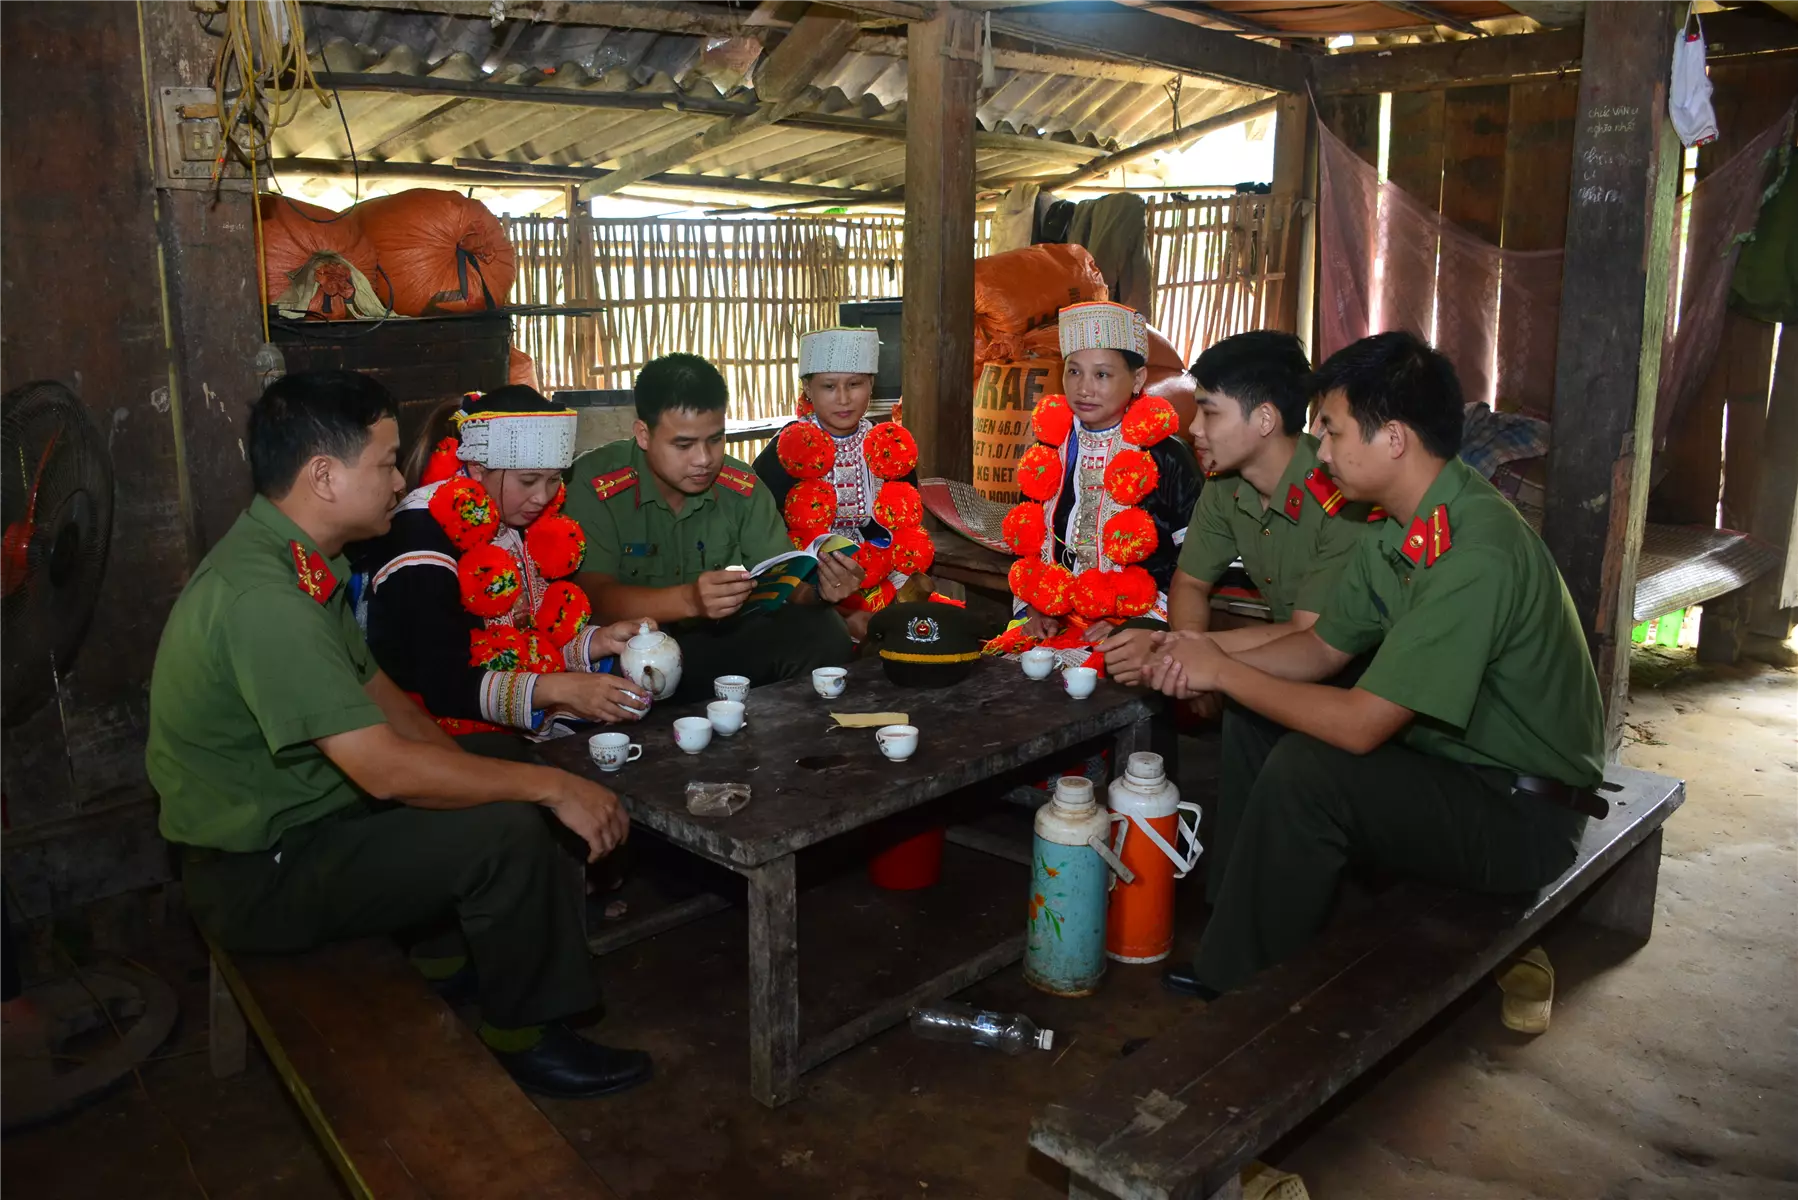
(261, 657)
(1476, 634)
(1293, 548)
(634, 536)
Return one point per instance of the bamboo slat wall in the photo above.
(740, 292)
(1217, 265)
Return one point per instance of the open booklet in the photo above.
(775, 578)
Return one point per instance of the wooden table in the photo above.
(812, 782)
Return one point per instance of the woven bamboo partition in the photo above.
(740, 292)
(1218, 265)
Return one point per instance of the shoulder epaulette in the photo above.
(737, 480)
(613, 482)
(1324, 490)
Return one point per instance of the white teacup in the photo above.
(731, 687)
(610, 751)
(829, 682)
(692, 734)
(897, 742)
(726, 716)
(1038, 662)
(1080, 681)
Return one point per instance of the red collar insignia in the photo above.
(1375, 515)
(1324, 490)
(737, 480)
(1428, 538)
(612, 482)
(1295, 501)
(315, 578)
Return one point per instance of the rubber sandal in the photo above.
(1262, 1182)
(1528, 985)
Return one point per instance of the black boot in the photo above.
(1180, 979)
(563, 1065)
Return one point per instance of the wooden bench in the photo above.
(1184, 1114)
(404, 1097)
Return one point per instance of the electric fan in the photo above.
(56, 503)
(56, 508)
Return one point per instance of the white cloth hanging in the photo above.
(1689, 97)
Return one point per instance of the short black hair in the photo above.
(682, 381)
(1397, 377)
(1263, 366)
(310, 413)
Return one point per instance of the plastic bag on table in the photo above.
(716, 799)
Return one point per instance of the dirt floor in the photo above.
(1668, 1072)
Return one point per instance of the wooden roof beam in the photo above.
(1733, 34)
(1159, 41)
(1435, 16)
(490, 173)
(814, 45)
(1010, 54)
(662, 16)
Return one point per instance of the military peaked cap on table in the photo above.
(925, 643)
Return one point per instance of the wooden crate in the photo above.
(422, 360)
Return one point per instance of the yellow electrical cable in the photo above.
(255, 47)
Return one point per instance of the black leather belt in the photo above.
(1585, 800)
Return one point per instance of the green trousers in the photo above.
(792, 640)
(501, 870)
(1295, 813)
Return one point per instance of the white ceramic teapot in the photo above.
(652, 658)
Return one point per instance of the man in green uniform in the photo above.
(311, 800)
(671, 521)
(1268, 502)
(1467, 750)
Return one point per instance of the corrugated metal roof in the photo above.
(1068, 119)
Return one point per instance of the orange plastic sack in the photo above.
(1003, 401)
(1021, 290)
(443, 252)
(521, 369)
(294, 233)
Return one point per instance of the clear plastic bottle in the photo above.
(1012, 1033)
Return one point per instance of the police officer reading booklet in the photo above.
(671, 520)
(312, 800)
(1466, 751)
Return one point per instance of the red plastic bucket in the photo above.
(917, 862)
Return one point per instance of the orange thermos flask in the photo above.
(1160, 847)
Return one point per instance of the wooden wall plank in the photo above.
(1473, 190)
(1538, 171)
(1414, 156)
(1414, 165)
(1613, 308)
(1474, 121)
(1746, 96)
(1356, 120)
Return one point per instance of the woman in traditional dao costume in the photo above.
(1108, 489)
(835, 471)
(468, 605)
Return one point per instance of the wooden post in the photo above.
(1613, 311)
(1295, 177)
(942, 78)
